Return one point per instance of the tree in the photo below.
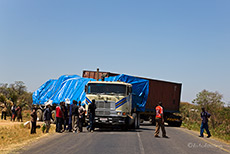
(212, 101)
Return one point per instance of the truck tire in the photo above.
(178, 124)
(53, 113)
(135, 121)
(138, 121)
(39, 115)
(153, 121)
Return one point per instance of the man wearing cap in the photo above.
(160, 121)
(47, 116)
(204, 124)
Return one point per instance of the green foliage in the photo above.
(212, 101)
(207, 99)
(220, 117)
(15, 93)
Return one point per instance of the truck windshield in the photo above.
(102, 88)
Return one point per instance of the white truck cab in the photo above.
(113, 101)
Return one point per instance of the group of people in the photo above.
(68, 117)
(16, 112)
(73, 116)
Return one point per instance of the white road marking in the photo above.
(140, 144)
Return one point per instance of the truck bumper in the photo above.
(109, 121)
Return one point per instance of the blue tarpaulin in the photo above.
(140, 89)
(66, 87)
(72, 87)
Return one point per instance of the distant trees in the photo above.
(212, 101)
(15, 93)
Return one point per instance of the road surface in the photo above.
(141, 141)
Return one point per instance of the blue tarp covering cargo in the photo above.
(72, 87)
(140, 89)
(66, 87)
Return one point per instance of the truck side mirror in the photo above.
(130, 89)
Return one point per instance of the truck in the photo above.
(114, 104)
(168, 93)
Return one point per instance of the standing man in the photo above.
(48, 117)
(160, 121)
(13, 110)
(4, 110)
(81, 112)
(19, 113)
(33, 121)
(91, 110)
(59, 116)
(65, 115)
(204, 124)
(75, 116)
(70, 117)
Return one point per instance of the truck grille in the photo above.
(105, 108)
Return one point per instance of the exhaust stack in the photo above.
(97, 74)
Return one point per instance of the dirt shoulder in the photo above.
(14, 135)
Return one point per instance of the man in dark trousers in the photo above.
(91, 111)
(65, 115)
(81, 112)
(48, 117)
(204, 124)
(75, 116)
(33, 121)
(59, 118)
(19, 113)
(160, 121)
(4, 110)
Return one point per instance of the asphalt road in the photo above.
(141, 141)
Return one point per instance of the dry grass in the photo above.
(15, 136)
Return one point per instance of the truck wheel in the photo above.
(39, 115)
(138, 121)
(134, 121)
(53, 113)
(178, 124)
(153, 121)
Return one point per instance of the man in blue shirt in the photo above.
(204, 124)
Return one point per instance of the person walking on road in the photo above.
(91, 111)
(204, 124)
(47, 117)
(33, 121)
(81, 112)
(75, 115)
(160, 121)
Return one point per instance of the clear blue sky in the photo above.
(186, 41)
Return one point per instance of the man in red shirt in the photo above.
(59, 117)
(160, 121)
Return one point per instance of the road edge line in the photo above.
(207, 141)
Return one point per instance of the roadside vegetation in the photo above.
(219, 122)
(15, 93)
(14, 135)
